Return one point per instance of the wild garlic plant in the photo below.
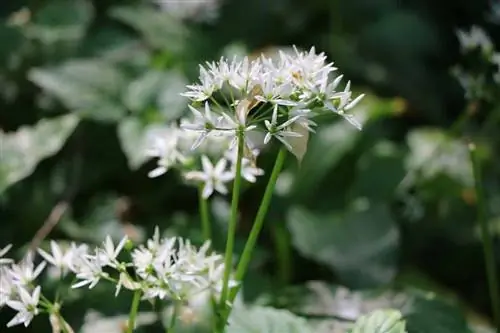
(165, 269)
(242, 106)
(238, 107)
(479, 72)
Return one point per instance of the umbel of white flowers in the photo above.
(271, 99)
(163, 268)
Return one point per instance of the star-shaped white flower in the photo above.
(214, 177)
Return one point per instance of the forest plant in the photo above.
(238, 107)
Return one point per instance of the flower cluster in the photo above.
(474, 79)
(255, 101)
(163, 268)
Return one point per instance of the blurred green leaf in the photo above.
(380, 321)
(160, 29)
(158, 89)
(21, 151)
(380, 170)
(340, 307)
(61, 20)
(90, 87)
(265, 320)
(361, 245)
(11, 40)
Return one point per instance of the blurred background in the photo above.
(373, 215)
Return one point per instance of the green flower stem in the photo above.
(134, 308)
(231, 232)
(173, 319)
(489, 256)
(283, 253)
(258, 223)
(205, 217)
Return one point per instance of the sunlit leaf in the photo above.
(299, 144)
(265, 320)
(380, 321)
(21, 151)
(89, 87)
(60, 20)
(160, 29)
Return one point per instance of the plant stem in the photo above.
(258, 223)
(231, 232)
(282, 246)
(173, 319)
(205, 217)
(489, 256)
(134, 308)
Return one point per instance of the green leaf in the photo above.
(160, 29)
(21, 151)
(89, 87)
(11, 41)
(265, 320)
(379, 172)
(380, 321)
(61, 20)
(361, 245)
(158, 89)
(326, 149)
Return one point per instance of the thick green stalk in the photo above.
(205, 217)
(231, 231)
(258, 223)
(489, 256)
(134, 308)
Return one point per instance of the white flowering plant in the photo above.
(238, 108)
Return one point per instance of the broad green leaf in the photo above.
(379, 172)
(361, 245)
(332, 142)
(265, 320)
(325, 149)
(160, 29)
(21, 151)
(60, 20)
(89, 87)
(380, 321)
(159, 90)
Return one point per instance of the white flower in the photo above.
(281, 131)
(214, 177)
(26, 308)
(7, 286)
(24, 273)
(3, 252)
(249, 172)
(164, 147)
(90, 272)
(475, 37)
(109, 253)
(58, 258)
(203, 123)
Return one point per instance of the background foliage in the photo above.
(381, 216)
